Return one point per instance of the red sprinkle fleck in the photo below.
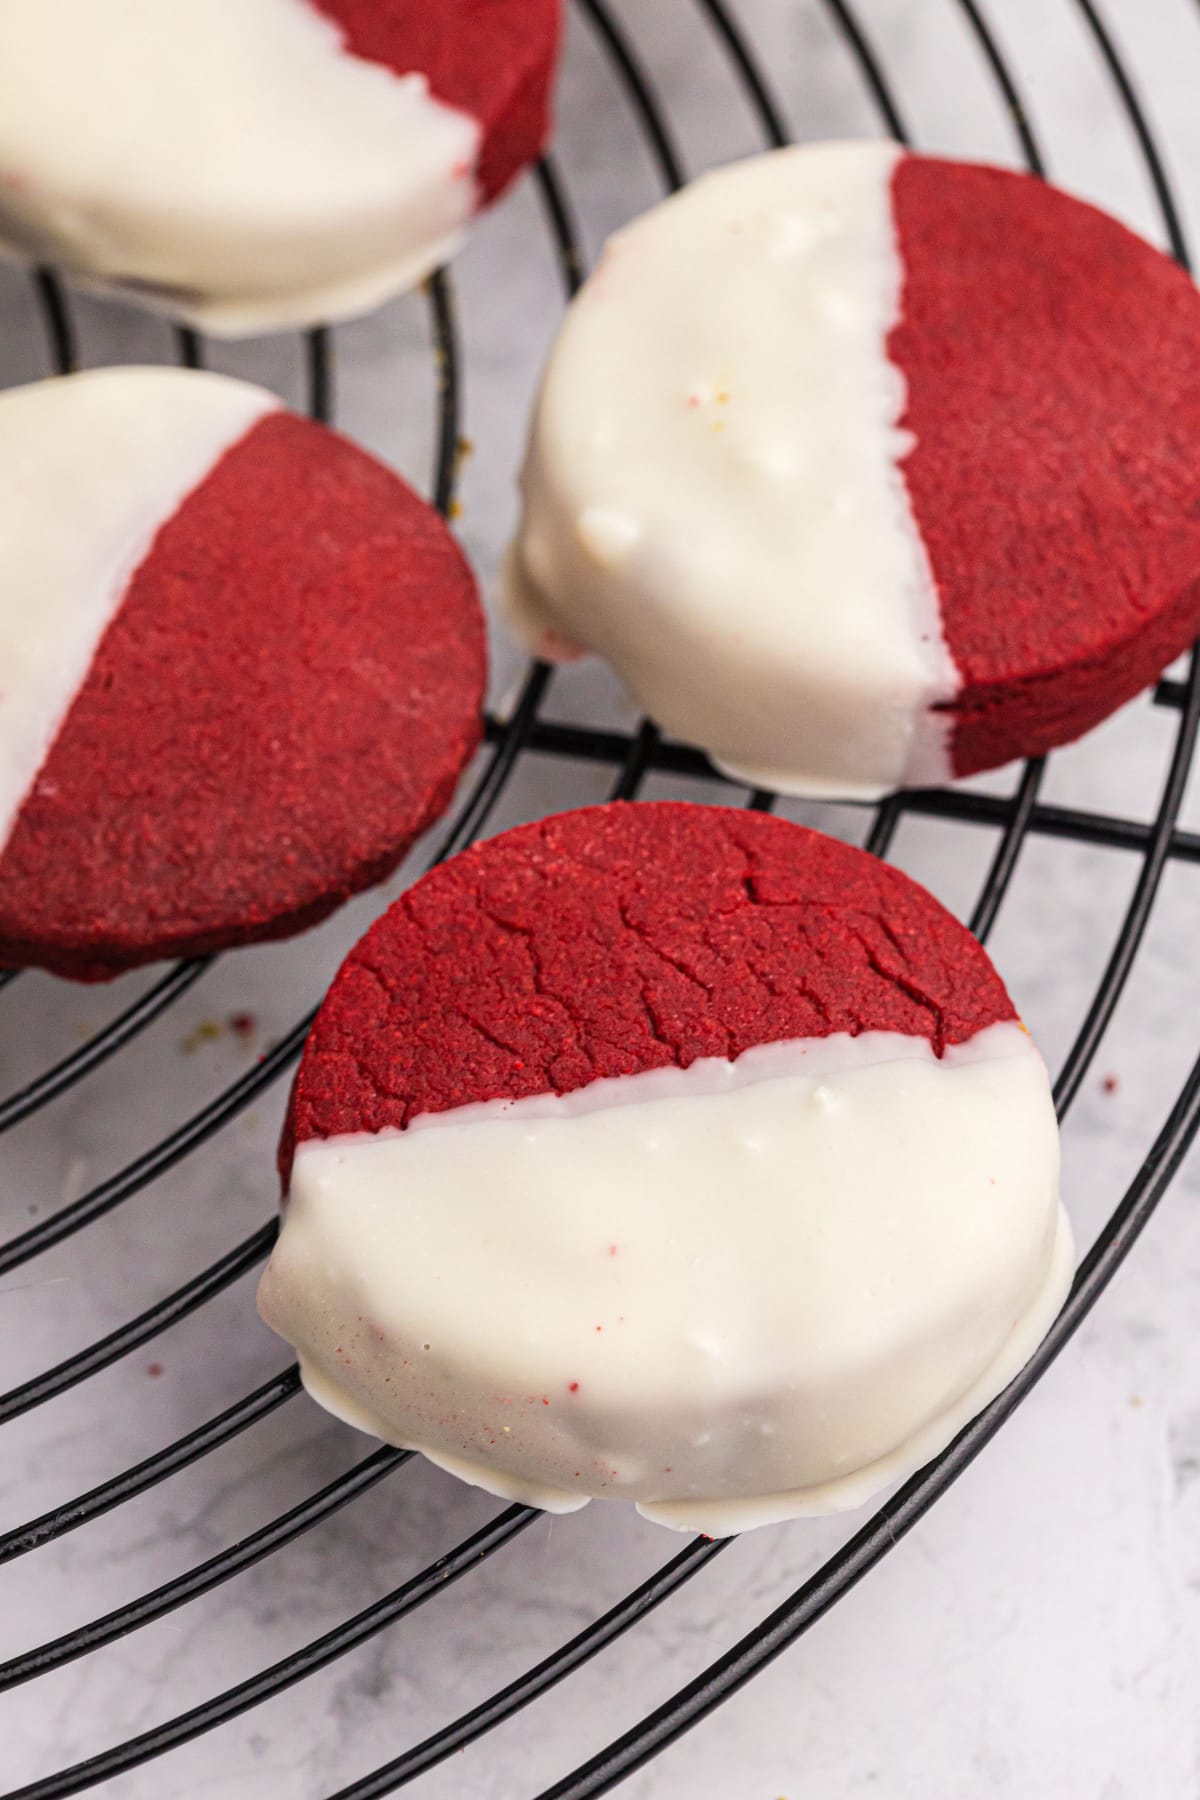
(243, 1024)
(1111, 1083)
(612, 1249)
(154, 1370)
(545, 1399)
(573, 1387)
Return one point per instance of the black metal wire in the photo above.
(883, 1531)
(1137, 917)
(769, 111)
(1135, 112)
(1006, 82)
(159, 1158)
(144, 1475)
(960, 805)
(634, 755)
(435, 1579)
(115, 1035)
(640, 88)
(525, 1689)
(1004, 863)
(543, 1676)
(59, 335)
(166, 1312)
(209, 1574)
(870, 66)
(1170, 692)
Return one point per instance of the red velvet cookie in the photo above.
(668, 1152)
(255, 164)
(242, 678)
(938, 509)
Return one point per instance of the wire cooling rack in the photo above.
(633, 756)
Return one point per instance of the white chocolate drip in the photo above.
(733, 1293)
(94, 465)
(712, 494)
(224, 160)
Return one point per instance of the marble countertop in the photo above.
(1037, 1637)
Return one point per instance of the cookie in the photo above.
(248, 165)
(868, 469)
(244, 667)
(702, 1161)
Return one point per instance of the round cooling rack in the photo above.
(216, 1591)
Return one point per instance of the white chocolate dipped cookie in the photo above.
(668, 1154)
(243, 667)
(249, 165)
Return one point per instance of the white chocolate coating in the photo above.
(93, 465)
(225, 161)
(712, 492)
(734, 1293)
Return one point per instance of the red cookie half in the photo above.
(246, 677)
(1052, 367)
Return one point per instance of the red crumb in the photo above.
(243, 1024)
(573, 1387)
(1111, 1083)
(154, 1370)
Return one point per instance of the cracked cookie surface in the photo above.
(623, 938)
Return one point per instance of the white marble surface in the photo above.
(1038, 1636)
